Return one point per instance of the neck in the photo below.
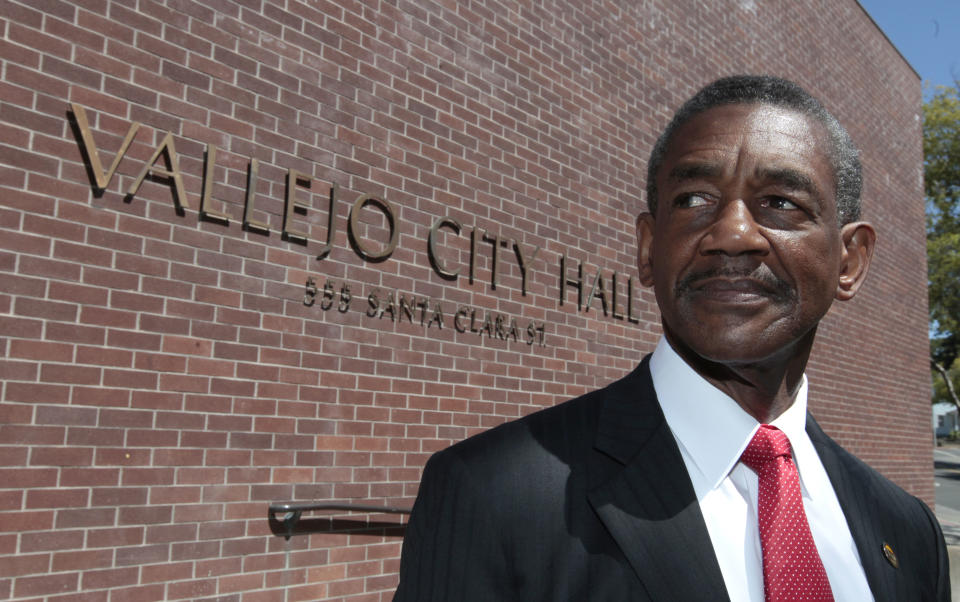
(764, 387)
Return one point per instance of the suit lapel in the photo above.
(649, 505)
(859, 510)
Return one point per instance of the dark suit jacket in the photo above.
(590, 500)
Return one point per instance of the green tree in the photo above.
(941, 150)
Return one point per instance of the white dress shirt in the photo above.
(712, 431)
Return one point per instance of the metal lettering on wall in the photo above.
(398, 307)
(380, 304)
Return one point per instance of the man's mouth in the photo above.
(730, 285)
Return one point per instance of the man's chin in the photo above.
(715, 348)
(733, 358)
(725, 344)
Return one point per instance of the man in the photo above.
(649, 489)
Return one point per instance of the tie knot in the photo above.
(768, 443)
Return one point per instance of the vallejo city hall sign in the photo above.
(599, 293)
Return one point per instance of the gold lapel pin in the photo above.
(890, 556)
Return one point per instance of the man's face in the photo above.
(744, 253)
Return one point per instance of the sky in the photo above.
(926, 32)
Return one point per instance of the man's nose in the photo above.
(734, 232)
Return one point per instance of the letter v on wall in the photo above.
(101, 180)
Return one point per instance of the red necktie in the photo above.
(792, 569)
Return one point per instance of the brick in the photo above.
(129, 378)
(178, 382)
(192, 590)
(160, 362)
(85, 518)
(104, 356)
(221, 530)
(153, 438)
(14, 521)
(203, 439)
(8, 545)
(135, 302)
(65, 415)
(144, 515)
(35, 121)
(224, 350)
(100, 596)
(113, 279)
(223, 457)
(140, 476)
(20, 327)
(25, 565)
(121, 457)
(27, 243)
(165, 401)
(196, 311)
(207, 330)
(82, 254)
(61, 456)
(9, 500)
(171, 533)
(138, 593)
(235, 583)
(81, 560)
(19, 285)
(102, 316)
(107, 238)
(78, 293)
(59, 498)
(165, 573)
(109, 578)
(115, 536)
(75, 333)
(220, 297)
(211, 368)
(31, 349)
(13, 370)
(175, 495)
(63, 373)
(45, 585)
(45, 541)
(134, 340)
(195, 551)
(100, 396)
(90, 477)
(232, 387)
(119, 496)
(141, 265)
(186, 345)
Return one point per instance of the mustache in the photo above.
(777, 287)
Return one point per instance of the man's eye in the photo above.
(691, 200)
(780, 203)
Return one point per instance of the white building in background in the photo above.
(945, 419)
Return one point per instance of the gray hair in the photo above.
(769, 90)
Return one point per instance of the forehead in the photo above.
(755, 135)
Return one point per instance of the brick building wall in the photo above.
(174, 360)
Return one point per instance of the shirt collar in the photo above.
(709, 425)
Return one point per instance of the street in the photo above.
(946, 470)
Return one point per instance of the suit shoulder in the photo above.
(883, 516)
(874, 489)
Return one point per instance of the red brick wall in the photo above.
(163, 379)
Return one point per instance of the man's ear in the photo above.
(858, 240)
(645, 227)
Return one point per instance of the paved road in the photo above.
(946, 480)
(946, 471)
